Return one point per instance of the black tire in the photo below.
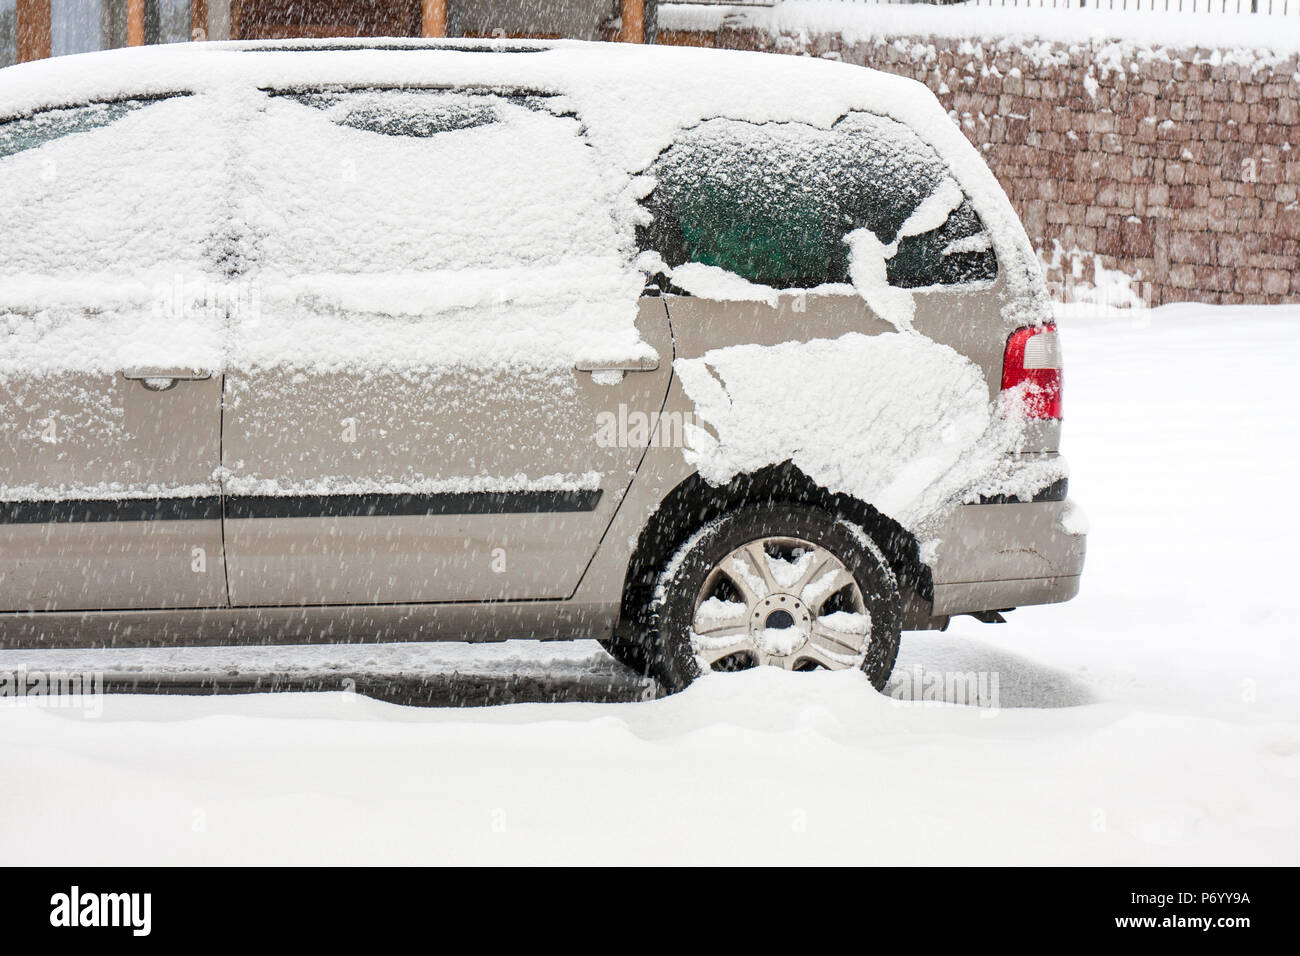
(657, 642)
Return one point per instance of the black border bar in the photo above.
(405, 505)
(95, 510)
(209, 507)
(921, 908)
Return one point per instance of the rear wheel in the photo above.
(779, 585)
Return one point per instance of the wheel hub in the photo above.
(779, 620)
(781, 601)
(779, 624)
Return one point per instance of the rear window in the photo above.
(773, 203)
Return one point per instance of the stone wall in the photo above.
(1180, 168)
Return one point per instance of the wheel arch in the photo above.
(694, 502)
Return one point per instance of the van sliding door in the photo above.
(445, 326)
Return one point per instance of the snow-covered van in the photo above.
(722, 359)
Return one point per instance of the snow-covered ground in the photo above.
(1155, 719)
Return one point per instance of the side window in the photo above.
(32, 132)
(773, 203)
(128, 189)
(957, 252)
(369, 181)
(419, 113)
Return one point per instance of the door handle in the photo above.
(629, 365)
(164, 379)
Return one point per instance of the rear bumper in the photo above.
(1008, 554)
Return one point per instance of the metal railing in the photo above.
(1283, 7)
(1159, 6)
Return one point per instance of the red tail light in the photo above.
(1033, 356)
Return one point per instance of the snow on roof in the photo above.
(630, 101)
(638, 94)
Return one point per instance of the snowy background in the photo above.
(1154, 719)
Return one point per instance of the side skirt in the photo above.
(333, 624)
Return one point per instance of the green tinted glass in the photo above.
(773, 202)
(32, 132)
(415, 113)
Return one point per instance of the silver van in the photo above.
(721, 359)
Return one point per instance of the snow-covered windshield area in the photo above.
(777, 203)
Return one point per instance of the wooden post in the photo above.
(633, 18)
(135, 22)
(198, 19)
(434, 18)
(32, 24)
